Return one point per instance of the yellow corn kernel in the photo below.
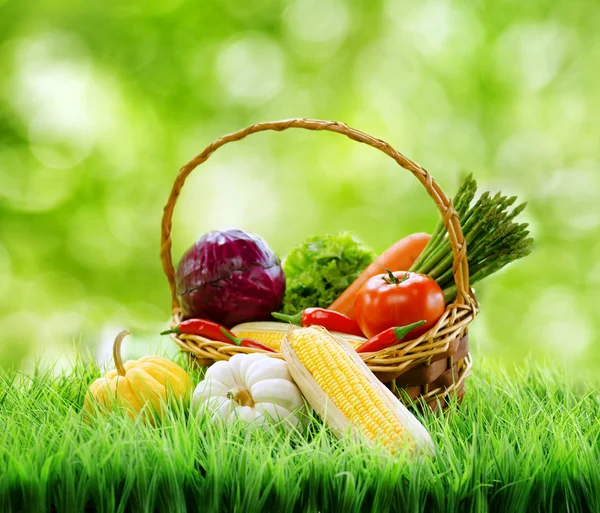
(271, 333)
(347, 386)
(268, 338)
(268, 333)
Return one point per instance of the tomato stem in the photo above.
(390, 279)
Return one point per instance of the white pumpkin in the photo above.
(255, 388)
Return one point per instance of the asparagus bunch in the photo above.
(493, 238)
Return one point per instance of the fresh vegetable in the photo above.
(346, 394)
(387, 338)
(398, 257)
(252, 387)
(246, 342)
(272, 333)
(493, 238)
(230, 277)
(202, 328)
(258, 335)
(398, 299)
(266, 332)
(140, 386)
(319, 269)
(332, 321)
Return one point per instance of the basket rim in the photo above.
(396, 359)
(460, 270)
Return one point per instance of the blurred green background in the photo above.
(101, 104)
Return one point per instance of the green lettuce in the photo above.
(319, 269)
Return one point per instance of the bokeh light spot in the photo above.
(430, 23)
(251, 69)
(5, 273)
(576, 190)
(50, 89)
(239, 197)
(534, 52)
(51, 74)
(318, 21)
(556, 324)
(529, 153)
(58, 144)
(92, 243)
(28, 186)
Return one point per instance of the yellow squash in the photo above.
(140, 386)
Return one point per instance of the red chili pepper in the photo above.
(333, 321)
(246, 342)
(202, 328)
(387, 338)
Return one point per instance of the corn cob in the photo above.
(268, 333)
(272, 333)
(346, 394)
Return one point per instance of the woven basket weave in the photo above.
(418, 357)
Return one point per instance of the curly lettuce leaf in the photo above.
(319, 269)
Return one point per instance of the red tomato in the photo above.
(398, 299)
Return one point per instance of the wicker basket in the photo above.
(430, 368)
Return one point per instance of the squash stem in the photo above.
(117, 352)
(242, 397)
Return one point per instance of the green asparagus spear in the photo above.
(493, 238)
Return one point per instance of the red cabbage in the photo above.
(230, 277)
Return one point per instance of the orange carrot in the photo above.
(398, 257)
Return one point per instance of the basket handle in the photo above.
(460, 267)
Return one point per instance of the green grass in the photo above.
(524, 442)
